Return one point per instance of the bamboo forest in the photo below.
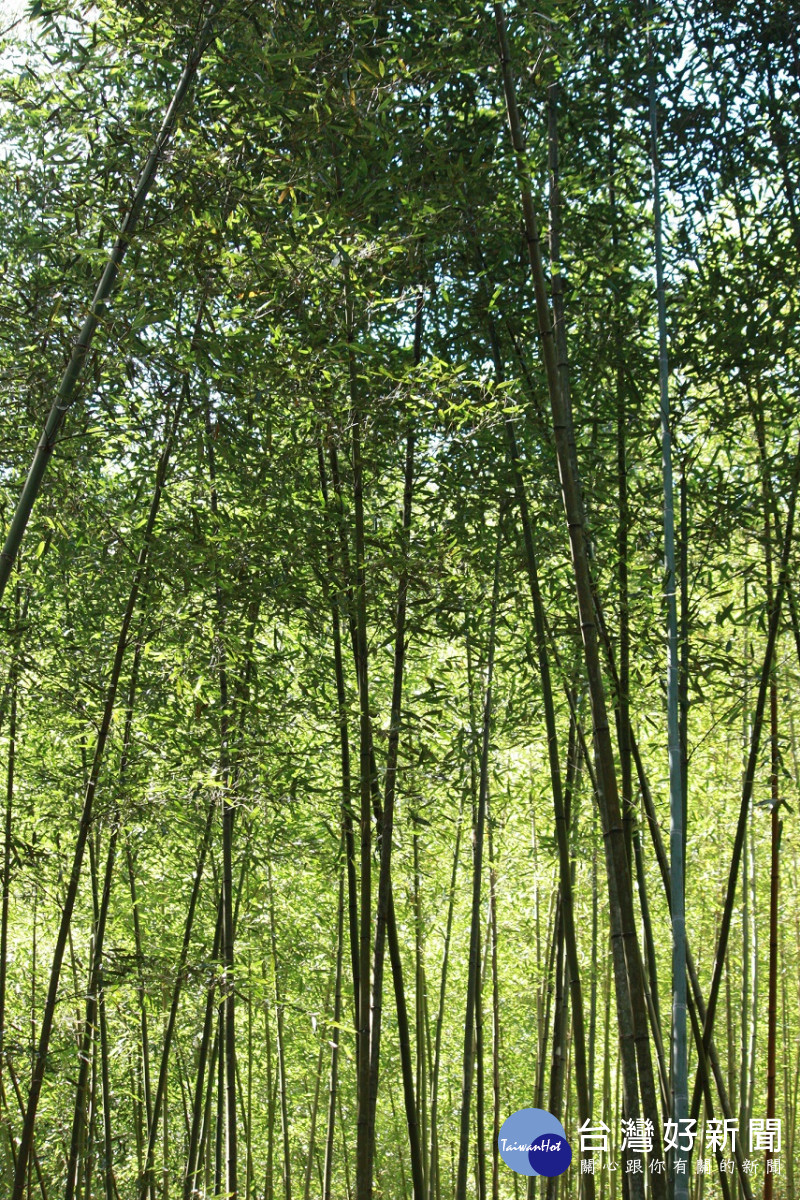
(399, 602)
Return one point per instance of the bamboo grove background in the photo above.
(312, 870)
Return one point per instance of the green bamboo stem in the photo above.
(98, 307)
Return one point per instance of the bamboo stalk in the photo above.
(474, 948)
(86, 815)
(631, 1009)
(98, 310)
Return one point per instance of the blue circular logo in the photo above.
(550, 1155)
(533, 1142)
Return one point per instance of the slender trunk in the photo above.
(748, 1013)
(172, 1014)
(747, 790)
(683, 666)
(96, 316)
(386, 830)
(86, 817)
(595, 961)
(495, 1015)
(345, 1160)
(94, 996)
(477, 871)
(88, 1160)
(433, 1191)
(606, 1110)
(403, 1182)
(7, 831)
(228, 986)
(772, 985)
(269, 1180)
(678, 1057)
(730, 1044)
(249, 1173)
(336, 1034)
(370, 1002)
(365, 1149)
(21, 1105)
(335, 603)
(558, 1053)
(623, 695)
(421, 1009)
(549, 988)
(631, 1011)
(183, 1080)
(317, 1085)
(147, 1094)
(219, 1120)
(165, 1123)
(543, 658)
(406, 1060)
(707, 1054)
(754, 949)
(284, 1102)
(705, 1057)
(105, 1081)
(775, 800)
(480, 1108)
(194, 1160)
(651, 973)
(90, 1024)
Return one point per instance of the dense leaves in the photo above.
(331, 261)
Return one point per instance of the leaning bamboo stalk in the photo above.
(6, 1122)
(99, 304)
(88, 1152)
(622, 699)
(555, 1092)
(548, 987)
(219, 1115)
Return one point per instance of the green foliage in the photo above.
(336, 166)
